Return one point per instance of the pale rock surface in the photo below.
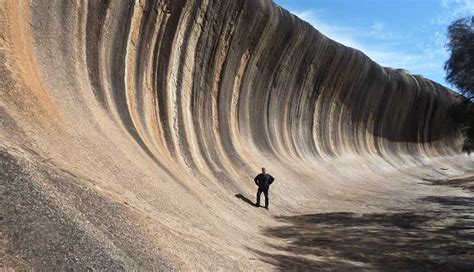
(128, 128)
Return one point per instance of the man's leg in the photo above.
(259, 192)
(265, 192)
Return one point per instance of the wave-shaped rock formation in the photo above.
(128, 128)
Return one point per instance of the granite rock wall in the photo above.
(170, 107)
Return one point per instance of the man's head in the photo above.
(263, 170)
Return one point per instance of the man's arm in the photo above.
(256, 179)
(271, 180)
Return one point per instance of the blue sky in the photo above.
(409, 34)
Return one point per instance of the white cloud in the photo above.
(377, 28)
(453, 10)
(353, 36)
(459, 7)
(342, 34)
(400, 49)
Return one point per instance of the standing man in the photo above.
(263, 181)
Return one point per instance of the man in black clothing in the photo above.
(263, 181)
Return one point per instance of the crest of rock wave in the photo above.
(128, 128)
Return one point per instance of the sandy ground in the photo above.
(435, 234)
(466, 181)
(51, 219)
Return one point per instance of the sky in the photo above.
(408, 34)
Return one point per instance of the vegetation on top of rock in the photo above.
(460, 72)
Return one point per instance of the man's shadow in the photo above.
(244, 199)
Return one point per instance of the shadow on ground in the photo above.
(438, 238)
(244, 199)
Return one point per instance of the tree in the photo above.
(460, 72)
(460, 65)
